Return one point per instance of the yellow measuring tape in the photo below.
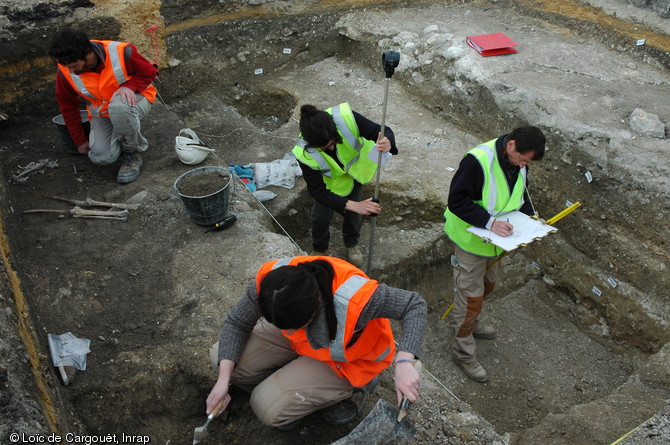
(550, 221)
(557, 217)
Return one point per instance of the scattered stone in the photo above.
(656, 371)
(431, 28)
(163, 196)
(405, 37)
(662, 7)
(139, 198)
(453, 52)
(646, 124)
(437, 39)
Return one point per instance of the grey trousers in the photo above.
(121, 131)
(472, 284)
(284, 386)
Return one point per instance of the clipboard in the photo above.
(492, 44)
(526, 230)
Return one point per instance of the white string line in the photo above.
(248, 129)
(235, 130)
(529, 198)
(442, 385)
(434, 378)
(265, 208)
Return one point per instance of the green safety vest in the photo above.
(496, 199)
(357, 155)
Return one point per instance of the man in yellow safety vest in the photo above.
(490, 180)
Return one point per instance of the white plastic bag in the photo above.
(279, 173)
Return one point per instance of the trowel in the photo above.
(200, 432)
(383, 425)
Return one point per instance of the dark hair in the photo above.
(291, 296)
(317, 127)
(528, 139)
(70, 45)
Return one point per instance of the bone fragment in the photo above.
(93, 203)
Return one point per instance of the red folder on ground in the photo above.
(492, 44)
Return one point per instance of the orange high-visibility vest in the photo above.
(372, 351)
(97, 88)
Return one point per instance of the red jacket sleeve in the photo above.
(142, 71)
(69, 101)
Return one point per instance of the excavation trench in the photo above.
(152, 293)
(551, 354)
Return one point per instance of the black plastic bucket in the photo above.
(68, 143)
(209, 209)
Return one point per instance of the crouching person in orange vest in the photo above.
(115, 82)
(313, 333)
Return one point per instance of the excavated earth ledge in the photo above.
(583, 354)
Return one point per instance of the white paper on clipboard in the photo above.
(526, 230)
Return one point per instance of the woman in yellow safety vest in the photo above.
(338, 151)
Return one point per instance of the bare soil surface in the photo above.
(578, 360)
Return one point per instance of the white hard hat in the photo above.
(189, 148)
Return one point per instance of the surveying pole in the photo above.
(390, 60)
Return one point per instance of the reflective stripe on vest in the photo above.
(116, 63)
(346, 133)
(341, 298)
(281, 262)
(344, 128)
(316, 154)
(81, 87)
(492, 186)
(117, 68)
